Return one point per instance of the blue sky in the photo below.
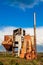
(19, 13)
(16, 16)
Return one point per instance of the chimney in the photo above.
(35, 31)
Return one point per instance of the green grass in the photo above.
(9, 60)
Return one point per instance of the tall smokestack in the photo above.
(35, 30)
(34, 20)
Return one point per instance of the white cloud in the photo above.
(9, 31)
(39, 34)
(22, 3)
(6, 31)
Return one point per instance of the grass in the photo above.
(9, 60)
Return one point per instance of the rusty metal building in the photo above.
(8, 41)
(21, 44)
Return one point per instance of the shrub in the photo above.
(1, 63)
(12, 62)
(17, 64)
